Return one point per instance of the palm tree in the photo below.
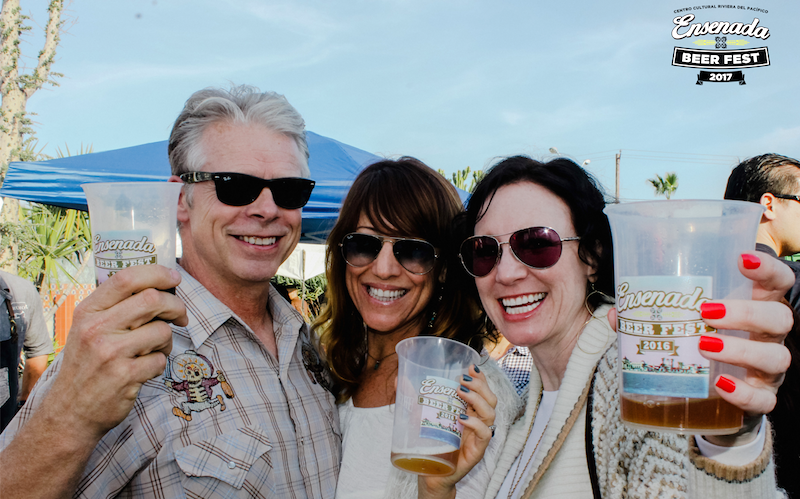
(665, 186)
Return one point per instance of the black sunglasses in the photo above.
(415, 255)
(238, 189)
(787, 196)
(536, 247)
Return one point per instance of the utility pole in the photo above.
(616, 196)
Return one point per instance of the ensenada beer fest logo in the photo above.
(732, 38)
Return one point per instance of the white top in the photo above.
(366, 450)
(531, 449)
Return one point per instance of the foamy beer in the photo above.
(670, 257)
(427, 427)
(133, 223)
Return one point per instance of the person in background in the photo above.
(515, 361)
(21, 319)
(389, 270)
(239, 408)
(774, 181)
(538, 245)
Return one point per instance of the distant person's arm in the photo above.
(34, 367)
(114, 346)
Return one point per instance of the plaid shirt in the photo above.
(225, 420)
(517, 363)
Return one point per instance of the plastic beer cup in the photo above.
(133, 223)
(427, 427)
(670, 257)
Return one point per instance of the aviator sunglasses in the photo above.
(238, 189)
(415, 255)
(536, 247)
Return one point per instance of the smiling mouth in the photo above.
(386, 295)
(522, 304)
(258, 241)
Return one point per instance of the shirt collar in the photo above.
(206, 313)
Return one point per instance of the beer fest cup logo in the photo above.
(731, 37)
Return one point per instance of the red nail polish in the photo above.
(711, 344)
(750, 261)
(726, 384)
(712, 310)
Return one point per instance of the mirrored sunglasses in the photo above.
(238, 189)
(415, 255)
(536, 247)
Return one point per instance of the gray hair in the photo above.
(243, 104)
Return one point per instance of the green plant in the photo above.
(311, 290)
(47, 236)
(665, 186)
(459, 178)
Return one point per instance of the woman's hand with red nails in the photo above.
(763, 355)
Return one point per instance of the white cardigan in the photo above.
(630, 463)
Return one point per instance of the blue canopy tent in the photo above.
(333, 166)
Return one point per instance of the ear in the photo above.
(183, 202)
(768, 201)
(443, 275)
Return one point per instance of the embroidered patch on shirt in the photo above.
(197, 380)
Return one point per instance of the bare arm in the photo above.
(34, 367)
(114, 346)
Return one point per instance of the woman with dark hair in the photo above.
(389, 278)
(539, 248)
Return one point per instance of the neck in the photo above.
(551, 359)
(249, 303)
(381, 344)
(764, 237)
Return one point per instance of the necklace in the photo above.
(514, 480)
(378, 361)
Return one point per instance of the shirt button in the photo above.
(231, 465)
(302, 440)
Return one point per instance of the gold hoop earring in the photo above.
(591, 318)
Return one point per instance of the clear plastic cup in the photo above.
(669, 258)
(427, 427)
(133, 223)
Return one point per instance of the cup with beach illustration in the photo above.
(427, 427)
(670, 257)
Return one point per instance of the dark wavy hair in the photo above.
(401, 198)
(579, 191)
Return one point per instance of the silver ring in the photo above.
(493, 427)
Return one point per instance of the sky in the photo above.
(455, 83)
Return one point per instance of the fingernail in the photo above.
(476, 368)
(712, 310)
(467, 377)
(464, 389)
(751, 261)
(175, 274)
(711, 344)
(463, 416)
(726, 384)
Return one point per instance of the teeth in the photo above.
(386, 295)
(523, 304)
(258, 241)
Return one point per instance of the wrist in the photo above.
(433, 488)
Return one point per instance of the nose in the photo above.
(386, 265)
(264, 206)
(509, 269)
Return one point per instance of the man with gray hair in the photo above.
(774, 181)
(240, 407)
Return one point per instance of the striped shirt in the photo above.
(225, 420)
